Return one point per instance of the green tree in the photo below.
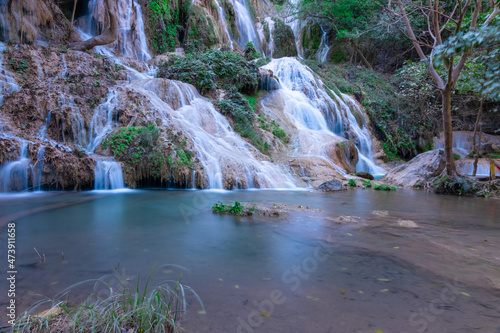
(441, 19)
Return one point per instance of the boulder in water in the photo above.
(365, 175)
(419, 170)
(331, 186)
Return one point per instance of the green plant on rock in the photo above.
(383, 187)
(236, 208)
(352, 183)
(367, 183)
(250, 52)
(454, 185)
(212, 70)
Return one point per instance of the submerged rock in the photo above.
(331, 186)
(419, 170)
(407, 224)
(365, 175)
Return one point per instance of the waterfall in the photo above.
(318, 117)
(223, 23)
(102, 122)
(245, 25)
(108, 175)
(14, 175)
(323, 49)
(7, 82)
(36, 170)
(131, 40)
(223, 154)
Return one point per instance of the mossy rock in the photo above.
(284, 40)
(311, 39)
(201, 27)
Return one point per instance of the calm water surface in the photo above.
(238, 266)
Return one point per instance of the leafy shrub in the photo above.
(367, 183)
(352, 182)
(383, 187)
(212, 70)
(250, 52)
(236, 208)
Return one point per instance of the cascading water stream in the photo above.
(108, 175)
(223, 23)
(14, 175)
(317, 116)
(131, 40)
(323, 49)
(7, 82)
(245, 25)
(222, 152)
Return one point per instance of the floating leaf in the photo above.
(384, 280)
(362, 229)
(396, 247)
(236, 286)
(361, 292)
(349, 234)
(265, 314)
(202, 312)
(378, 331)
(342, 291)
(384, 290)
(464, 293)
(220, 279)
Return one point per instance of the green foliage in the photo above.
(284, 40)
(250, 52)
(352, 182)
(263, 61)
(113, 306)
(487, 79)
(212, 70)
(201, 28)
(165, 21)
(237, 107)
(236, 208)
(138, 147)
(367, 183)
(19, 65)
(383, 187)
(456, 157)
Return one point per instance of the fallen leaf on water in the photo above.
(202, 312)
(349, 234)
(313, 298)
(464, 293)
(221, 279)
(396, 247)
(265, 314)
(384, 280)
(361, 292)
(236, 286)
(384, 290)
(362, 229)
(342, 291)
(378, 331)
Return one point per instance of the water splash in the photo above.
(102, 123)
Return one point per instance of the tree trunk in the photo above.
(72, 19)
(22, 21)
(355, 47)
(476, 147)
(108, 36)
(448, 131)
